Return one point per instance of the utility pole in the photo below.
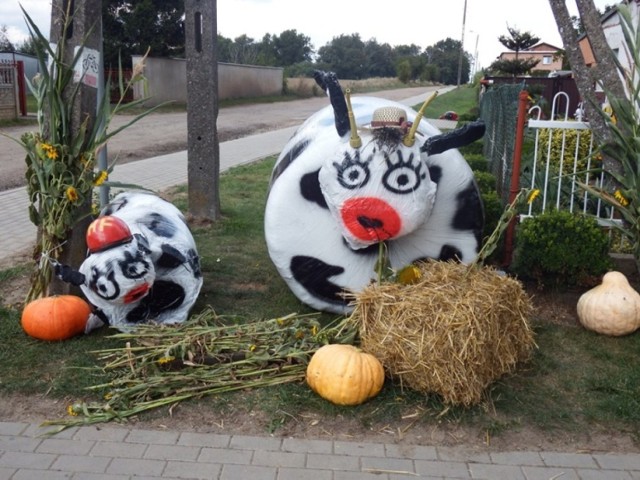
(203, 150)
(464, 21)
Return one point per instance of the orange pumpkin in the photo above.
(58, 317)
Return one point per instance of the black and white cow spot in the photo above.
(314, 275)
(163, 296)
(159, 225)
(310, 189)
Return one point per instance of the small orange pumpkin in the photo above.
(344, 374)
(58, 317)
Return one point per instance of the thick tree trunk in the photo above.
(605, 71)
(585, 78)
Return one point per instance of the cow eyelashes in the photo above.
(402, 177)
(352, 173)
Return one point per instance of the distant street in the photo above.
(162, 133)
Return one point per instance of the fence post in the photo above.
(523, 100)
(22, 88)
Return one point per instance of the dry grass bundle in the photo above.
(162, 365)
(452, 332)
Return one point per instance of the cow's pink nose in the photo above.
(370, 219)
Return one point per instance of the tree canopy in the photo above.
(516, 41)
(445, 56)
(131, 27)
(5, 43)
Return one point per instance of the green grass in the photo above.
(577, 381)
(461, 100)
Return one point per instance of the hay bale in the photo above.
(452, 332)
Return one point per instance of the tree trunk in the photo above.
(605, 71)
(86, 30)
(585, 78)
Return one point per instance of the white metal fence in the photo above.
(558, 165)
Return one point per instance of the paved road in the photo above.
(163, 133)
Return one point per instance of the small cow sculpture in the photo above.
(142, 264)
(337, 191)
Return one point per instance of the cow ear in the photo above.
(328, 81)
(454, 139)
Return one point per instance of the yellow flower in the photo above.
(100, 178)
(533, 195)
(252, 348)
(74, 410)
(621, 198)
(409, 275)
(164, 360)
(72, 194)
(50, 151)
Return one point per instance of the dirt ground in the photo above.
(166, 133)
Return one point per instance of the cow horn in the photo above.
(410, 138)
(355, 140)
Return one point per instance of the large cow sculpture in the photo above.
(142, 266)
(360, 172)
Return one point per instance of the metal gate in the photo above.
(563, 157)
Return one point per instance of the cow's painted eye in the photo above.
(133, 266)
(352, 173)
(104, 283)
(402, 177)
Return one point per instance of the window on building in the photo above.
(546, 60)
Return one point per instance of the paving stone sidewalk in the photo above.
(107, 452)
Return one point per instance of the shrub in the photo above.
(559, 248)
(492, 211)
(568, 138)
(470, 115)
(474, 148)
(477, 162)
(403, 70)
(486, 181)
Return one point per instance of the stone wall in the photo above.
(166, 80)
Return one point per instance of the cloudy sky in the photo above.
(421, 22)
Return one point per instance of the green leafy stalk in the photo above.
(620, 190)
(60, 158)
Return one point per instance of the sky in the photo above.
(419, 22)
